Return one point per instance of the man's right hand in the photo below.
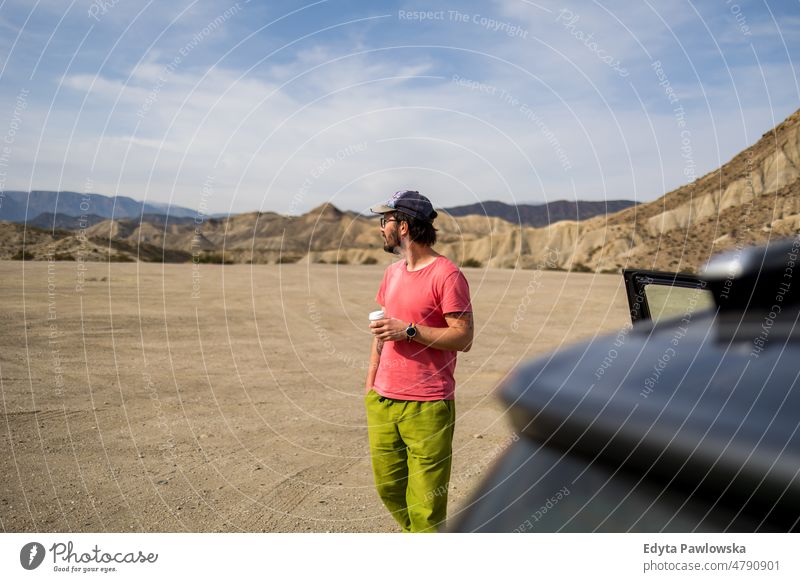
(389, 329)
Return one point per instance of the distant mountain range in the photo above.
(542, 214)
(47, 209)
(24, 207)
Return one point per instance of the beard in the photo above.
(391, 243)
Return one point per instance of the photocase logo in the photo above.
(31, 555)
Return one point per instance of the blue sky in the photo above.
(285, 105)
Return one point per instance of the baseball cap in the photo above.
(409, 202)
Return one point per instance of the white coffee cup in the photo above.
(376, 315)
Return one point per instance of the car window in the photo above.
(658, 295)
(668, 301)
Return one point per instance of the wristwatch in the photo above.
(411, 331)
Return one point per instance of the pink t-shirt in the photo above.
(410, 370)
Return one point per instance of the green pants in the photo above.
(411, 445)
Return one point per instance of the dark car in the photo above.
(687, 421)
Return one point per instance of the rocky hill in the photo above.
(753, 198)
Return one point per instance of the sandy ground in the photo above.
(149, 397)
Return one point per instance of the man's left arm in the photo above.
(463, 322)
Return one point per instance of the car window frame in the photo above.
(636, 280)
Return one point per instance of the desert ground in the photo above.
(205, 398)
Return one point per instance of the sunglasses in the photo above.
(384, 220)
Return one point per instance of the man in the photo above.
(410, 385)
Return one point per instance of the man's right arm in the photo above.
(374, 361)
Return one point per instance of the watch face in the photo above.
(411, 331)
